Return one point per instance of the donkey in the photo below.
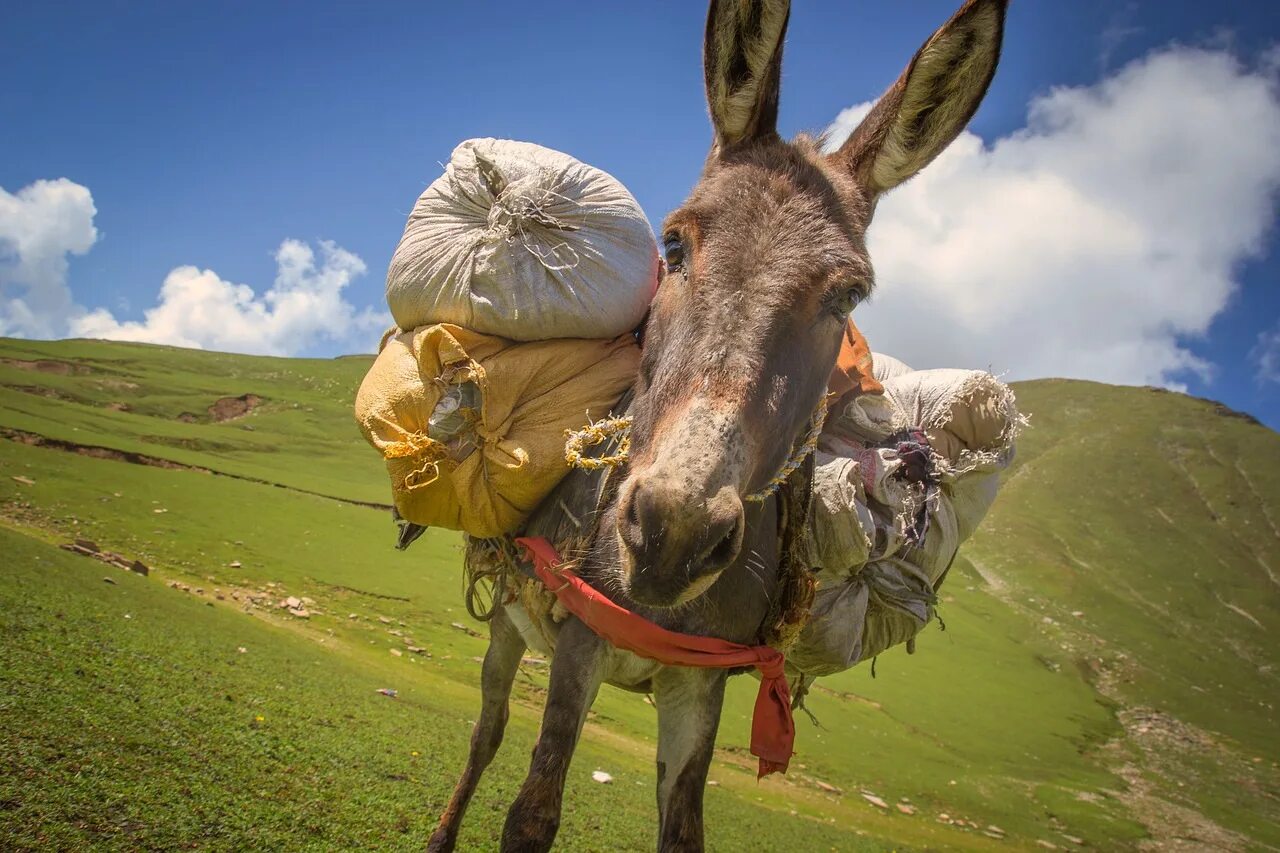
(764, 262)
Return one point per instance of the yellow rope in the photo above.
(413, 444)
(421, 446)
(597, 433)
(576, 441)
(420, 478)
(797, 458)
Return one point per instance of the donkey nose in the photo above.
(675, 540)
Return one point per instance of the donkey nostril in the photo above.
(726, 549)
(630, 514)
(636, 511)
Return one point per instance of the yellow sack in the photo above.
(473, 426)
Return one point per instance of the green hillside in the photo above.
(1107, 677)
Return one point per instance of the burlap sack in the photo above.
(524, 242)
(877, 581)
(472, 426)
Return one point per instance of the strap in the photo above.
(772, 727)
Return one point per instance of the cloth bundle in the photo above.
(902, 479)
(472, 426)
(515, 288)
(526, 243)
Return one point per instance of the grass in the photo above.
(303, 436)
(1151, 515)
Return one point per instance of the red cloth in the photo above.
(773, 731)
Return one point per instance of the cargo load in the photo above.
(520, 277)
(472, 426)
(525, 243)
(901, 480)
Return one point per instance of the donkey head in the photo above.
(764, 262)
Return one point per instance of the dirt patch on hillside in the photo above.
(230, 408)
(47, 365)
(1226, 411)
(54, 394)
(40, 391)
(34, 440)
(1166, 749)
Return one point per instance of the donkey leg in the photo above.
(500, 664)
(576, 670)
(689, 702)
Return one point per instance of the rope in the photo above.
(490, 563)
(597, 433)
(420, 446)
(576, 441)
(799, 455)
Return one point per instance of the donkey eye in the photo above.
(673, 251)
(843, 302)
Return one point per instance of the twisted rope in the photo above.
(799, 455)
(419, 446)
(576, 441)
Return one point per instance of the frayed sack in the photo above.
(472, 426)
(889, 603)
(886, 367)
(526, 243)
(883, 539)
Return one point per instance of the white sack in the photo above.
(526, 243)
(885, 367)
(871, 418)
(876, 587)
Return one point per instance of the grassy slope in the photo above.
(1146, 512)
(303, 436)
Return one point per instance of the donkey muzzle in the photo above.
(674, 544)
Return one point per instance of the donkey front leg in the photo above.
(689, 702)
(500, 664)
(576, 670)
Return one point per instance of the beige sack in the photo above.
(473, 426)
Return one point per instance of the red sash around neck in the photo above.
(773, 730)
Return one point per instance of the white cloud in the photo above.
(40, 226)
(46, 222)
(1266, 355)
(304, 307)
(1097, 241)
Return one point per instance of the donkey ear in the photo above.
(742, 62)
(931, 102)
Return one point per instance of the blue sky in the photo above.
(206, 136)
